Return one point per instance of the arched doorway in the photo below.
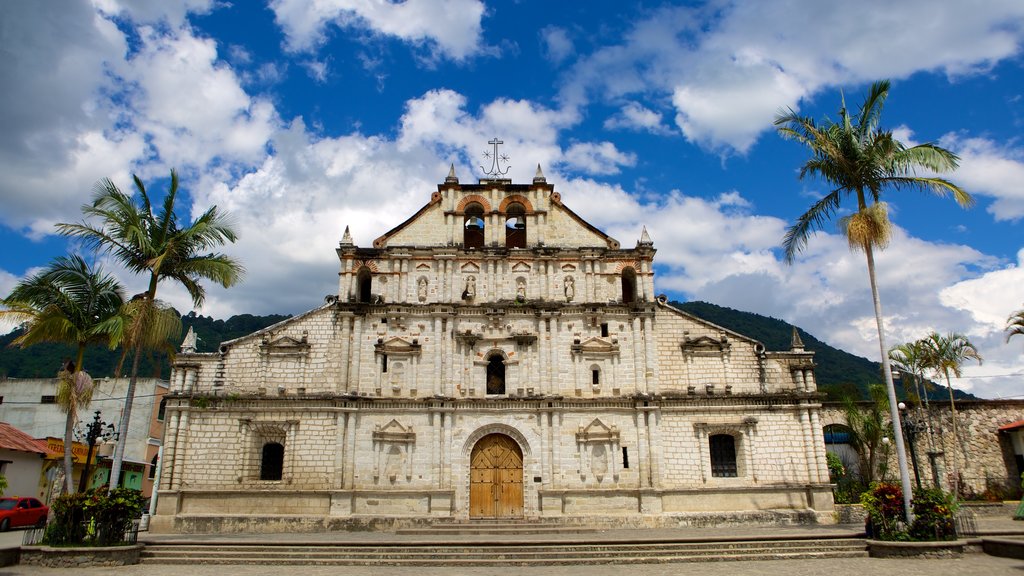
(496, 478)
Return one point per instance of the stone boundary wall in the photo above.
(984, 457)
(80, 557)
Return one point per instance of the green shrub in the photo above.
(934, 515)
(884, 506)
(93, 518)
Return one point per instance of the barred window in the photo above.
(723, 455)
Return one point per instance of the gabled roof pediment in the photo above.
(596, 347)
(597, 431)
(393, 431)
(398, 346)
(284, 345)
(705, 345)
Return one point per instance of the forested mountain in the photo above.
(44, 360)
(838, 373)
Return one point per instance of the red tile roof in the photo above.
(1012, 426)
(13, 439)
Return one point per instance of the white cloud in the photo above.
(556, 44)
(635, 116)
(449, 27)
(728, 79)
(59, 135)
(989, 169)
(194, 108)
(597, 158)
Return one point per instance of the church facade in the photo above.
(493, 356)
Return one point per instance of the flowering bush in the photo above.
(884, 506)
(934, 515)
(93, 518)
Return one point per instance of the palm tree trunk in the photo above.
(126, 415)
(890, 388)
(69, 426)
(956, 442)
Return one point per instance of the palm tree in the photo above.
(912, 358)
(857, 158)
(946, 354)
(154, 243)
(1015, 324)
(68, 302)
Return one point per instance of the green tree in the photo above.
(858, 159)
(68, 302)
(945, 355)
(868, 429)
(912, 358)
(1015, 324)
(153, 242)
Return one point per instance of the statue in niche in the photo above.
(470, 290)
(521, 290)
(570, 288)
(421, 290)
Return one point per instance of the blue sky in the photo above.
(303, 117)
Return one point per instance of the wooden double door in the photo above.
(496, 478)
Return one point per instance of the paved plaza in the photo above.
(973, 564)
(970, 564)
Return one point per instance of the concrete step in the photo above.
(520, 554)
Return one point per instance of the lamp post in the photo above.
(911, 427)
(93, 432)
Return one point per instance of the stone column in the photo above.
(355, 353)
(170, 450)
(650, 356)
(340, 431)
(819, 446)
(638, 369)
(179, 459)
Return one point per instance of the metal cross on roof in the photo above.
(496, 160)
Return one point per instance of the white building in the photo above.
(492, 356)
(21, 462)
(30, 405)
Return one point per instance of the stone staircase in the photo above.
(463, 551)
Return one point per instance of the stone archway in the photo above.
(496, 478)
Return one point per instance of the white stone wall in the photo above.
(611, 403)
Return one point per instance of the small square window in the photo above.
(47, 399)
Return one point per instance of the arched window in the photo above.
(161, 411)
(152, 466)
(495, 374)
(723, 455)
(628, 286)
(595, 375)
(272, 461)
(473, 227)
(364, 281)
(515, 226)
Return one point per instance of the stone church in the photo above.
(493, 356)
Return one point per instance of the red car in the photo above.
(18, 512)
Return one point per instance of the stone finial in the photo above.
(645, 238)
(188, 346)
(452, 178)
(797, 345)
(346, 238)
(539, 178)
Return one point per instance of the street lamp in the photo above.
(911, 426)
(93, 432)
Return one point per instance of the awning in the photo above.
(1012, 426)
